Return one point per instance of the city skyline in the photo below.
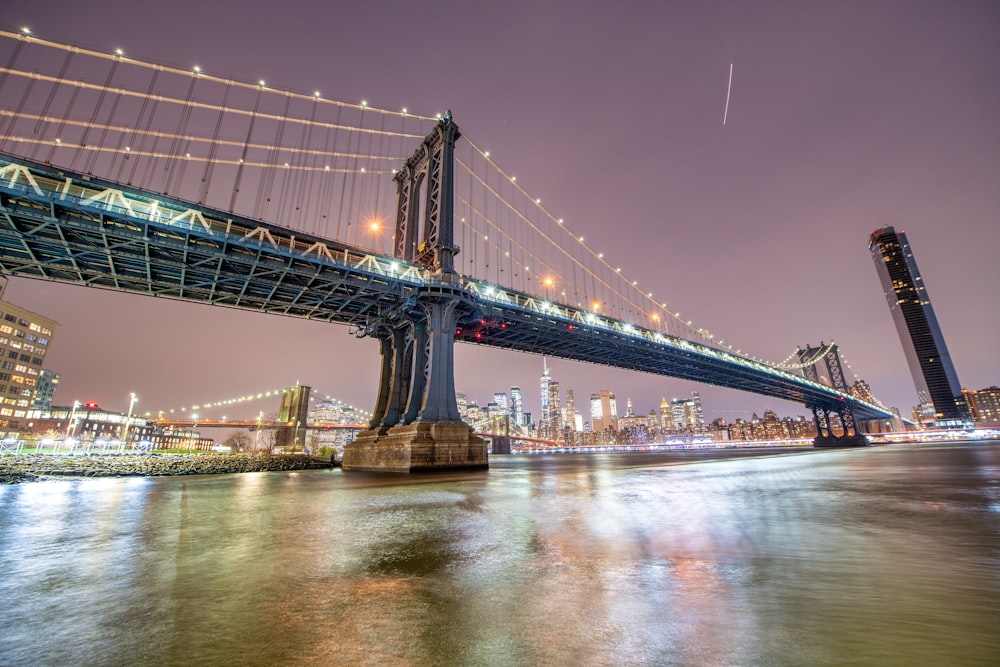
(841, 121)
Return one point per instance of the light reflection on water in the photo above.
(878, 556)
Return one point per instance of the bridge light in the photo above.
(26, 30)
(119, 52)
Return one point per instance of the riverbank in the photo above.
(30, 467)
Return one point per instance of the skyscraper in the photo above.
(603, 411)
(923, 344)
(543, 424)
(569, 419)
(551, 423)
(516, 406)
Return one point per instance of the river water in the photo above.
(879, 556)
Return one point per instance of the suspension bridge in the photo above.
(128, 175)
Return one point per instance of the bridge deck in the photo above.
(70, 227)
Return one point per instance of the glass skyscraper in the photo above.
(926, 354)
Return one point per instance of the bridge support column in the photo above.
(825, 435)
(430, 433)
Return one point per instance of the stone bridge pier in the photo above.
(416, 424)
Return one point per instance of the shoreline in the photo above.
(18, 468)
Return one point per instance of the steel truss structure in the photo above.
(69, 227)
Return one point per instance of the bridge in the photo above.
(121, 174)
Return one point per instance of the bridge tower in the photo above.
(416, 424)
(827, 358)
(293, 415)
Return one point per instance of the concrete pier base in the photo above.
(417, 447)
(828, 441)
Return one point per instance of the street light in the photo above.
(256, 440)
(128, 420)
(72, 416)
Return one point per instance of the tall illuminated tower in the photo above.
(923, 344)
(516, 406)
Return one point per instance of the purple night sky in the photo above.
(844, 117)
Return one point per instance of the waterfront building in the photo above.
(25, 338)
(48, 382)
(90, 427)
(923, 343)
(984, 405)
(334, 413)
(633, 427)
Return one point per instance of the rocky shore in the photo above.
(29, 467)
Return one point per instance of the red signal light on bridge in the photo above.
(91, 405)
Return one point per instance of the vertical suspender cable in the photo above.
(306, 174)
(144, 133)
(243, 153)
(267, 175)
(42, 117)
(286, 176)
(206, 174)
(97, 110)
(175, 146)
(3, 80)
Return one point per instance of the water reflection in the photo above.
(877, 556)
